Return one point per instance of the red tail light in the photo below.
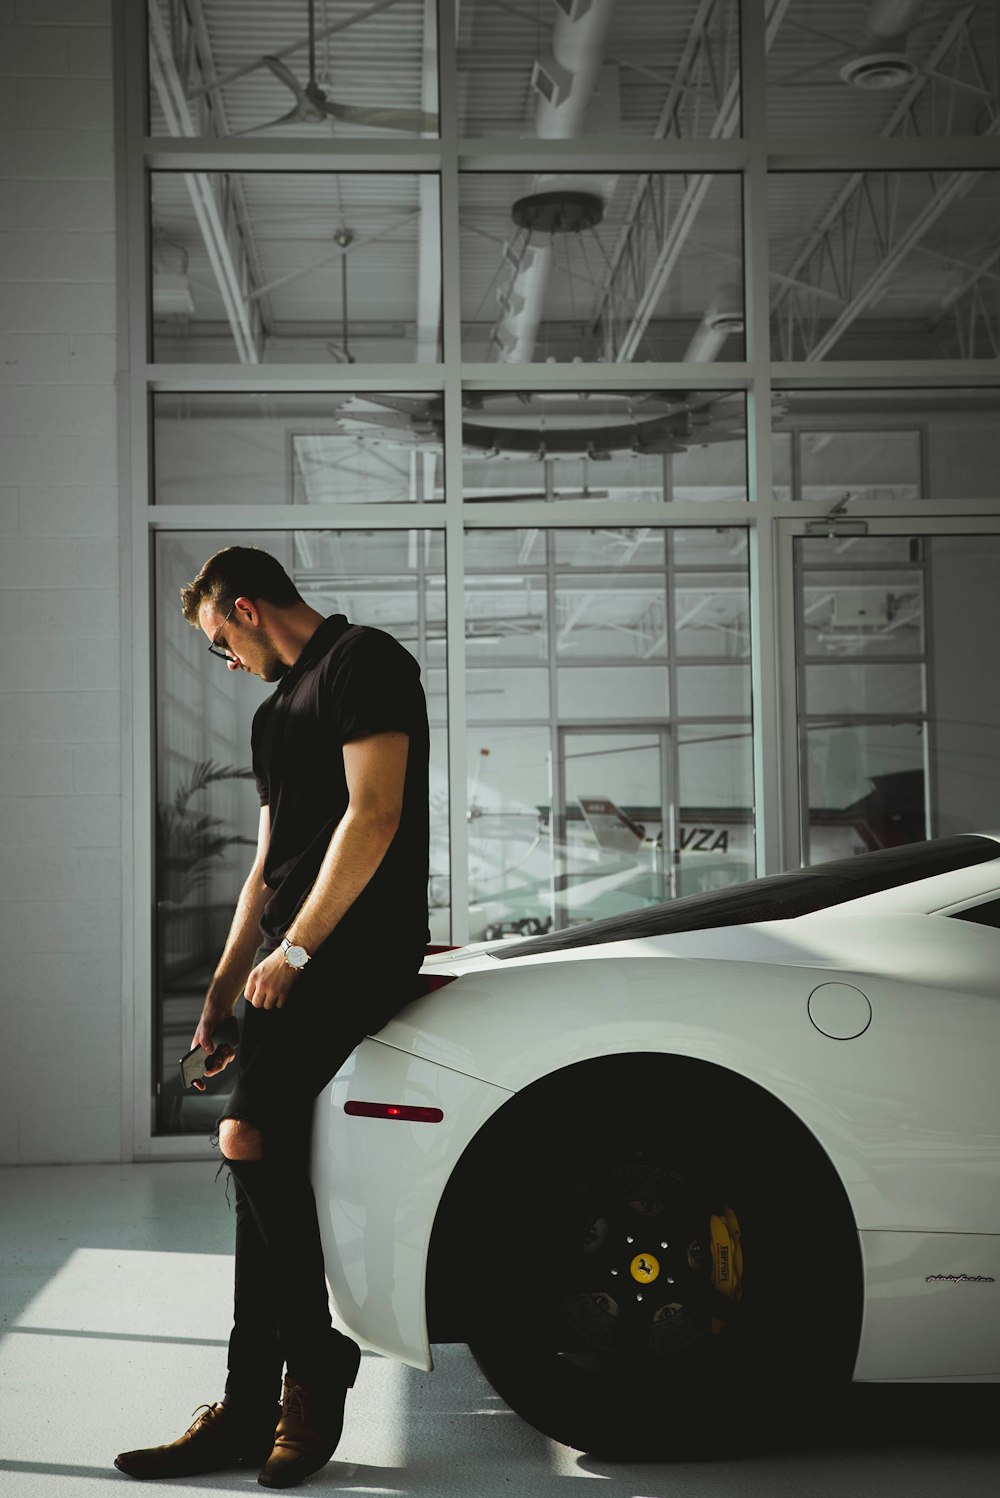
(394, 1110)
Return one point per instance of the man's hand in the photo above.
(219, 1057)
(270, 983)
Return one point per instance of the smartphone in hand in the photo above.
(194, 1063)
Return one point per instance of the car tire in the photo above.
(566, 1318)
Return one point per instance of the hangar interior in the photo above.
(635, 367)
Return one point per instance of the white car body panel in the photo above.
(377, 1184)
(907, 1109)
(920, 1313)
(916, 1144)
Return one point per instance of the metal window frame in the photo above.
(772, 525)
(795, 723)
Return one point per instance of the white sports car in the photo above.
(745, 1140)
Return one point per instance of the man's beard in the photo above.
(270, 666)
(273, 669)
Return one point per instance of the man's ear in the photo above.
(248, 611)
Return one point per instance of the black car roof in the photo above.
(776, 898)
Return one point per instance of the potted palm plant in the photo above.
(190, 844)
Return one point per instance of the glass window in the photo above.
(712, 614)
(897, 550)
(295, 267)
(899, 735)
(781, 464)
(876, 265)
(610, 67)
(502, 693)
(611, 824)
(299, 71)
(631, 801)
(715, 838)
(637, 446)
(719, 689)
(297, 449)
(852, 614)
(839, 466)
(510, 841)
(777, 897)
(608, 692)
(716, 768)
(506, 618)
(436, 689)
(618, 617)
(875, 70)
(865, 687)
(866, 784)
(611, 549)
(896, 445)
(207, 805)
(608, 266)
(490, 550)
(709, 546)
(607, 666)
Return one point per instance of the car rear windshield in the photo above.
(776, 898)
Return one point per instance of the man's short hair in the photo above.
(238, 572)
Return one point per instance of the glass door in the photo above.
(898, 716)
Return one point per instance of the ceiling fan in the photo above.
(313, 104)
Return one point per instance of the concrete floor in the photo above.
(115, 1297)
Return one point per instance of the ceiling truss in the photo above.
(664, 209)
(177, 56)
(832, 281)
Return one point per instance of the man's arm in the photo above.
(376, 772)
(234, 966)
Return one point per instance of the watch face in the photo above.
(296, 956)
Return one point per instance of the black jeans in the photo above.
(286, 1056)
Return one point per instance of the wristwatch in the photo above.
(295, 957)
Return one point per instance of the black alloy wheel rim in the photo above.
(637, 1282)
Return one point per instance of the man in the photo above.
(329, 932)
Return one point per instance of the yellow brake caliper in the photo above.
(727, 1259)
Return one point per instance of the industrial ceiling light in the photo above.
(887, 25)
(343, 239)
(508, 424)
(879, 71)
(558, 211)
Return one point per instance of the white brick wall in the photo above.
(60, 706)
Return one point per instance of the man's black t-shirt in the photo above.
(349, 682)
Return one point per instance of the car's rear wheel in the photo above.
(654, 1283)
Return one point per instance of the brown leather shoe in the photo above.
(312, 1418)
(212, 1444)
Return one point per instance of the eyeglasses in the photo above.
(213, 649)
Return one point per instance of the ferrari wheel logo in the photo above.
(644, 1268)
